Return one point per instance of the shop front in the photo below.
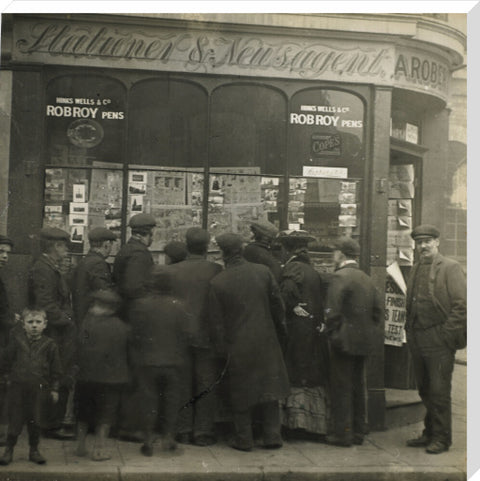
(202, 125)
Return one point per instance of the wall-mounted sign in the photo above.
(326, 172)
(326, 145)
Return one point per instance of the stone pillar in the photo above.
(5, 122)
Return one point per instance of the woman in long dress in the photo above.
(305, 411)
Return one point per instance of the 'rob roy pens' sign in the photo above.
(186, 50)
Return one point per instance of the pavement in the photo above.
(383, 456)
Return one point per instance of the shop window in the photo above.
(327, 130)
(85, 120)
(167, 124)
(248, 128)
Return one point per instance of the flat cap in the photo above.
(142, 220)
(54, 233)
(264, 227)
(101, 234)
(6, 241)
(229, 242)
(295, 235)
(197, 236)
(107, 296)
(348, 246)
(424, 231)
(176, 250)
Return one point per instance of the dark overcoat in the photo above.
(353, 310)
(306, 352)
(91, 274)
(447, 289)
(260, 253)
(6, 315)
(191, 283)
(131, 269)
(246, 309)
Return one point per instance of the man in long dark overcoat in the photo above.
(436, 327)
(260, 250)
(246, 311)
(353, 313)
(191, 283)
(131, 274)
(92, 272)
(50, 292)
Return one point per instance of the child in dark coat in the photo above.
(32, 363)
(159, 348)
(103, 370)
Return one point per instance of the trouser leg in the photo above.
(360, 397)
(185, 416)
(242, 421)
(16, 412)
(341, 371)
(33, 406)
(270, 414)
(171, 395)
(205, 375)
(147, 383)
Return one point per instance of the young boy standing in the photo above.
(32, 363)
(103, 370)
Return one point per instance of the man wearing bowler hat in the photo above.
(353, 313)
(49, 291)
(246, 312)
(92, 272)
(260, 250)
(436, 327)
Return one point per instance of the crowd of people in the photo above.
(262, 342)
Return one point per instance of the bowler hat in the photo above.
(264, 227)
(424, 231)
(229, 242)
(54, 233)
(101, 234)
(6, 241)
(348, 246)
(107, 296)
(142, 221)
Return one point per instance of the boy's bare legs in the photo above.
(82, 429)
(101, 434)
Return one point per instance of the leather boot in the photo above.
(36, 457)
(7, 457)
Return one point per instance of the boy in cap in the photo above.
(159, 347)
(436, 327)
(50, 292)
(103, 370)
(191, 282)
(32, 364)
(352, 315)
(246, 312)
(92, 272)
(175, 251)
(260, 250)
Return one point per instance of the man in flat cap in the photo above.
(49, 291)
(191, 282)
(246, 312)
(260, 250)
(7, 319)
(92, 272)
(131, 274)
(436, 327)
(353, 316)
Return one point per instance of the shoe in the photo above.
(357, 439)
(7, 457)
(275, 442)
(336, 441)
(239, 447)
(168, 443)
(436, 447)
(419, 442)
(36, 457)
(204, 440)
(61, 433)
(183, 438)
(147, 450)
(273, 445)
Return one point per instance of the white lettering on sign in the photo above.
(328, 172)
(76, 112)
(311, 119)
(82, 108)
